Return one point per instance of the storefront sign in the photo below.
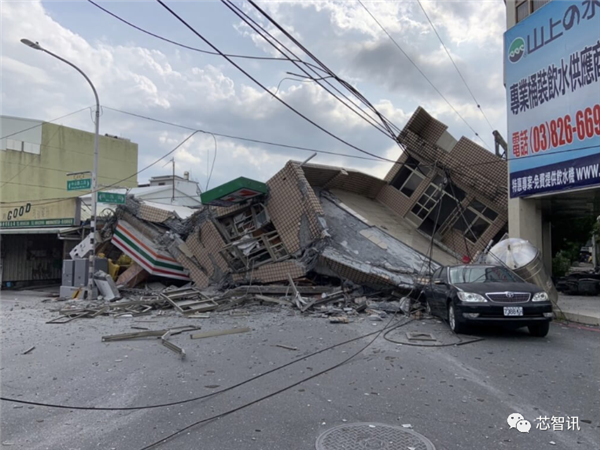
(43, 213)
(552, 68)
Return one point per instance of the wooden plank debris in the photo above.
(147, 333)
(279, 301)
(298, 300)
(278, 290)
(173, 347)
(216, 333)
(29, 350)
(189, 300)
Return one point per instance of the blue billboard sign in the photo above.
(552, 74)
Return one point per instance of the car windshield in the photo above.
(482, 275)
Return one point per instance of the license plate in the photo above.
(513, 310)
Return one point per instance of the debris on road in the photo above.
(290, 243)
(287, 347)
(219, 333)
(148, 333)
(164, 341)
(418, 336)
(29, 350)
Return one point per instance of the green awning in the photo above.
(235, 191)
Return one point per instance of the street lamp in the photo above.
(36, 46)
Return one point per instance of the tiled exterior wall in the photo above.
(196, 275)
(145, 229)
(271, 273)
(397, 201)
(478, 172)
(425, 126)
(396, 168)
(328, 177)
(291, 199)
(205, 245)
(152, 214)
(481, 178)
(350, 273)
(222, 211)
(483, 162)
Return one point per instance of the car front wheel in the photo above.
(539, 329)
(455, 325)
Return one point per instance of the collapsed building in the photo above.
(317, 222)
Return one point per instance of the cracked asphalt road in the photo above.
(458, 396)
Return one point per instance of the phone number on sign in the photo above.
(557, 133)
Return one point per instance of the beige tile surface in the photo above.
(382, 217)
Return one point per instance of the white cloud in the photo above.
(194, 90)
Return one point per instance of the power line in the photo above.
(385, 122)
(258, 83)
(209, 175)
(326, 152)
(180, 402)
(124, 179)
(179, 44)
(256, 141)
(422, 73)
(454, 64)
(43, 123)
(286, 388)
(297, 60)
(266, 35)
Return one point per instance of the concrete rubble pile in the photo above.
(288, 242)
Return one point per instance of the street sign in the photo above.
(111, 197)
(76, 185)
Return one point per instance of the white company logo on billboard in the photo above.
(553, 98)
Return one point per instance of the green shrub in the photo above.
(561, 263)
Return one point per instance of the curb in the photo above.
(581, 318)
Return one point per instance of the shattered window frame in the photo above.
(420, 206)
(268, 244)
(229, 228)
(475, 221)
(408, 174)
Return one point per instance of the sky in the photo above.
(141, 74)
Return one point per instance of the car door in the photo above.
(431, 292)
(440, 292)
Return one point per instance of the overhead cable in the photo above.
(423, 73)
(321, 81)
(179, 44)
(455, 66)
(262, 86)
(44, 123)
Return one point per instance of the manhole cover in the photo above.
(372, 436)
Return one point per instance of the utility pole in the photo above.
(91, 290)
(500, 142)
(172, 161)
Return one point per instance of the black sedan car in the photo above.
(480, 294)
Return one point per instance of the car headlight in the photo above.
(540, 297)
(470, 297)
